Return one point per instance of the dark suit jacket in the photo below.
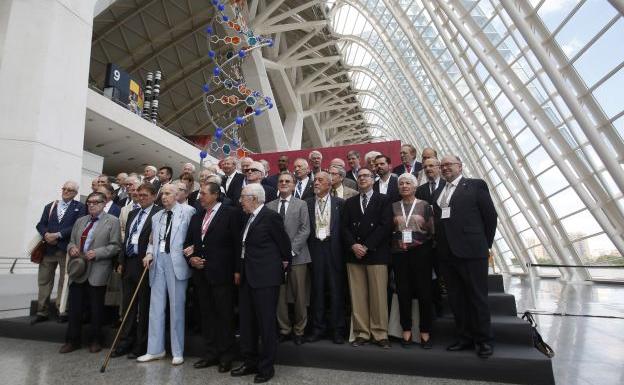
(50, 224)
(470, 230)
(271, 181)
(236, 186)
(335, 230)
(220, 247)
(114, 210)
(308, 190)
(424, 192)
(144, 236)
(372, 229)
(266, 246)
(398, 170)
(270, 193)
(393, 189)
(351, 175)
(193, 198)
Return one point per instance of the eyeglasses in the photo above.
(449, 164)
(68, 189)
(92, 203)
(252, 170)
(247, 195)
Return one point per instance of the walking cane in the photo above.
(123, 321)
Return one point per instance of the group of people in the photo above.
(258, 242)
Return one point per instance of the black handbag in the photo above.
(538, 342)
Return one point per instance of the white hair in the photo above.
(153, 168)
(132, 179)
(189, 164)
(314, 152)
(216, 178)
(371, 154)
(259, 166)
(256, 190)
(72, 184)
(409, 176)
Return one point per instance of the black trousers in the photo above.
(217, 314)
(466, 282)
(79, 295)
(258, 318)
(134, 332)
(325, 278)
(412, 270)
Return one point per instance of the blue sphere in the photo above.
(234, 143)
(216, 71)
(211, 53)
(209, 30)
(203, 154)
(206, 87)
(270, 42)
(239, 120)
(258, 111)
(270, 105)
(221, 7)
(219, 133)
(241, 53)
(215, 2)
(225, 18)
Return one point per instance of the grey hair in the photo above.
(133, 179)
(328, 175)
(341, 171)
(73, 184)
(153, 168)
(256, 190)
(314, 152)
(371, 154)
(216, 178)
(191, 164)
(409, 176)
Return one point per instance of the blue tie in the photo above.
(299, 185)
(135, 228)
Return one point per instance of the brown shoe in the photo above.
(95, 347)
(384, 343)
(68, 348)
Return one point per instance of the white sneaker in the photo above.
(150, 357)
(177, 361)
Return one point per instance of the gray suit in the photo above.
(349, 183)
(297, 287)
(106, 244)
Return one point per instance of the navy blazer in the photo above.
(424, 192)
(392, 194)
(271, 181)
(335, 230)
(398, 170)
(144, 236)
(308, 190)
(470, 230)
(267, 245)
(114, 210)
(372, 229)
(236, 186)
(50, 224)
(221, 246)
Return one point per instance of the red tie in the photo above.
(408, 168)
(206, 222)
(85, 233)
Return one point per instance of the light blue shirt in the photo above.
(91, 232)
(140, 225)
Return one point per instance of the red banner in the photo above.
(391, 149)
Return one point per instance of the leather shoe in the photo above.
(313, 338)
(339, 339)
(225, 367)
(359, 341)
(38, 318)
(458, 346)
(260, 378)
(68, 348)
(243, 370)
(298, 340)
(204, 364)
(283, 338)
(484, 350)
(133, 355)
(95, 348)
(385, 343)
(118, 353)
(61, 318)
(426, 344)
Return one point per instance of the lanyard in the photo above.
(408, 217)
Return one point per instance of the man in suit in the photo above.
(168, 275)
(338, 188)
(255, 173)
(367, 226)
(353, 157)
(133, 337)
(408, 161)
(316, 159)
(132, 185)
(165, 176)
(325, 213)
(282, 165)
(304, 188)
(431, 190)
(213, 246)
(55, 227)
(95, 241)
(193, 198)
(465, 222)
(232, 180)
(120, 194)
(350, 183)
(388, 183)
(427, 153)
(110, 207)
(294, 213)
(149, 175)
(265, 257)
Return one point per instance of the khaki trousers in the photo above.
(295, 288)
(369, 300)
(45, 280)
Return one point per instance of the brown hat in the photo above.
(77, 269)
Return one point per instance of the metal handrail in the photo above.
(576, 266)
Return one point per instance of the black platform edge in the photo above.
(511, 362)
(501, 304)
(495, 283)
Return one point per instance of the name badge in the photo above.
(446, 213)
(407, 236)
(135, 239)
(322, 233)
(162, 246)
